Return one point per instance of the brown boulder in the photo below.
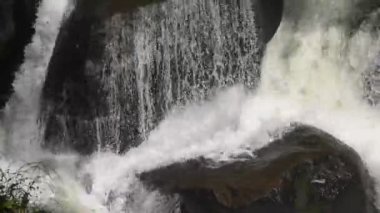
(306, 170)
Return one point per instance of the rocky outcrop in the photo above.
(74, 98)
(117, 69)
(17, 18)
(306, 170)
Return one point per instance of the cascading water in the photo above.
(181, 51)
(21, 112)
(156, 58)
(19, 129)
(310, 75)
(313, 72)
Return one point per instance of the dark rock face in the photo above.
(16, 29)
(305, 171)
(121, 6)
(269, 17)
(117, 70)
(74, 96)
(269, 13)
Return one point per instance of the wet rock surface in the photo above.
(17, 18)
(305, 171)
(269, 13)
(119, 66)
(69, 90)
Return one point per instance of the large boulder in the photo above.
(17, 18)
(69, 91)
(307, 170)
(119, 66)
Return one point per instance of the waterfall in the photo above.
(312, 73)
(21, 113)
(191, 47)
(159, 57)
(20, 131)
(183, 78)
(180, 53)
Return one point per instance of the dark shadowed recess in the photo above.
(269, 17)
(17, 18)
(72, 88)
(307, 171)
(68, 90)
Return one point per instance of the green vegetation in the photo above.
(17, 189)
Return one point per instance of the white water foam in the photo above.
(21, 112)
(19, 128)
(311, 75)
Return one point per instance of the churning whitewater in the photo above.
(315, 71)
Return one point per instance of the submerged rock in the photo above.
(306, 171)
(17, 18)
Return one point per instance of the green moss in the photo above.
(16, 192)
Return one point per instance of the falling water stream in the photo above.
(155, 58)
(317, 70)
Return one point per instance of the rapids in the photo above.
(314, 72)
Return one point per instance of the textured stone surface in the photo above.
(305, 171)
(117, 70)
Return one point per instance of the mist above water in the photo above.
(313, 73)
(20, 120)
